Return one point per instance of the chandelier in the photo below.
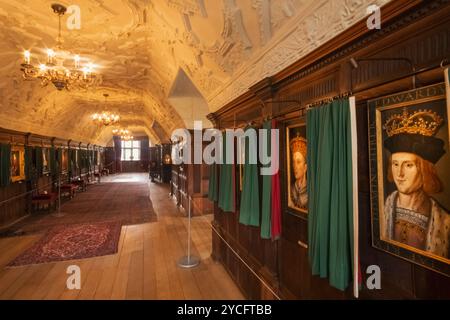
(123, 133)
(127, 137)
(105, 118)
(54, 71)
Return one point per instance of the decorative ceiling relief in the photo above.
(140, 45)
(234, 14)
(189, 7)
(264, 12)
(282, 10)
(192, 40)
(312, 29)
(235, 45)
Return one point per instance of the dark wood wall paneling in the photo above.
(20, 207)
(161, 171)
(9, 209)
(191, 180)
(416, 30)
(110, 159)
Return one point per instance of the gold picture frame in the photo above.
(17, 168)
(409, 146)
(296, 174)
(45, 161)
(64, 160)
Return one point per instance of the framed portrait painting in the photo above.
(17, 163)
(65, 160)
(45, 160)
(296, 169)
(410, 171)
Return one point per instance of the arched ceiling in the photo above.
(222, 46)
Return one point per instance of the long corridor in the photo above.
(145, 266)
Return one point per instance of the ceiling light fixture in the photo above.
(124, 134)
(53, 71)
(105, 118)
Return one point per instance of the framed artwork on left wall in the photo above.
(65, 160)
(45, 160)
(17, 163)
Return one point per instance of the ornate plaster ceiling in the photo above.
(222, 46)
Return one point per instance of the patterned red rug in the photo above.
(70, 242)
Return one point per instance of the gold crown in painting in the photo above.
(298, 144)
(423, 122)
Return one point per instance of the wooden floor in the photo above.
(145, 266)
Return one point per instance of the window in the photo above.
(131, 150)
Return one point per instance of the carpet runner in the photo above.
(125, 202)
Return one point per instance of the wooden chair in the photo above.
(69, 188)
(97, 176)
(44, 199)
(80, 183)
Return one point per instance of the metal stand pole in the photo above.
(59, 214)
(189, 261)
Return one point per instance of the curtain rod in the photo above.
(442, 65)
(303, 108)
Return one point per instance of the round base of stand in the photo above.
(59, 214)
(188, 262)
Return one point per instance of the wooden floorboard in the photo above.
(145, 266)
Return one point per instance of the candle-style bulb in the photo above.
(50, 55)
(77, 61)
(27, 56)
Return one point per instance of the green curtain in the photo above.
(39, 161)
(72, 154)
(227, 183)
(5, 165)
(85, 160)
(212, 187)
(90, 160)
(28, 163)
(59, 164)
(79, 157)
(266, 203)
(70, 163)
(53, 163)
(249, 210)
(87, 164)
(330, 215)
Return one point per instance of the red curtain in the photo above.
(276, 197)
